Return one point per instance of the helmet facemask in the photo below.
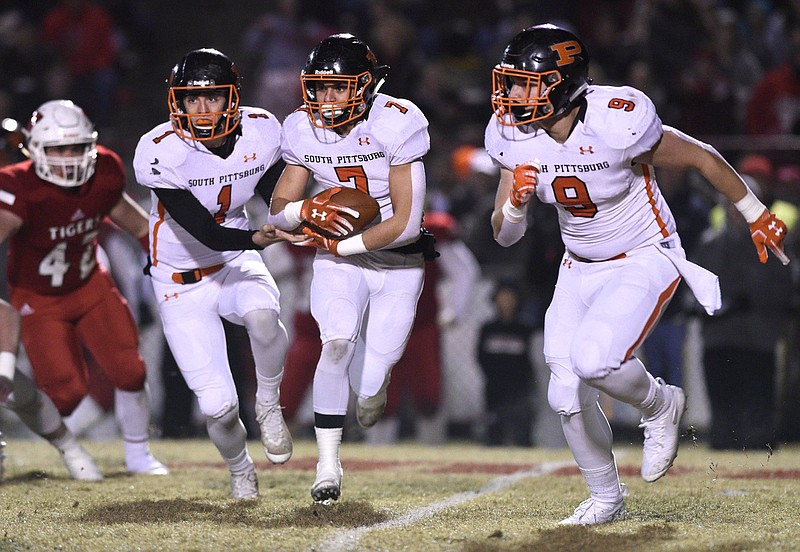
(62, 144)
(533, 105)
(203, 126)
(324, 114)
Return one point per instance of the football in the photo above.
(363, 209)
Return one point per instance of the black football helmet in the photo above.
(552, 66)
(200, 72)
(346, 59)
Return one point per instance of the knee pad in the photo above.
(566, 393)
(264, 326)
(225, 414)
(217, 402)
(590, 351)
(338, 352)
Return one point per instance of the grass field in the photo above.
(460, 497)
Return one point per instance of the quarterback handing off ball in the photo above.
(339, 212)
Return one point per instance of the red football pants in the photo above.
(95, 317)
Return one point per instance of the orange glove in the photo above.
(526, 178)
(769, 232)
(325, 214)
(319, 241)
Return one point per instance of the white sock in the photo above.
(136, 449)
(603, 482)
(328, 442)
(132, 412)
(654, 402)
(242, 463)
(65, 442)
(268, 391)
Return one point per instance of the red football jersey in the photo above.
(55, 250)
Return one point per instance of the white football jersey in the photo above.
(395, 133)
(606, 204)
(165, 160)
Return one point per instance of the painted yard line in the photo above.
(343, 541)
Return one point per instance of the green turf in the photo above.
(405, 497)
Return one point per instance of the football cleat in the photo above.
(244, 486)
(328, 484)
(370, 410)
(595, 512)
(80, 464)
(662, 433)
(145, 465)
(275, 436)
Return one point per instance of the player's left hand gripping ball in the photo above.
(769, 232)
(526, 178)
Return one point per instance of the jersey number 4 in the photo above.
(55, 264)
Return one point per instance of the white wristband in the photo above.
(750, 207)
(351, 246)
(8, 364)
(292, 213)
(512, 214)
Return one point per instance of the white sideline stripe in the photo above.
(348, 540)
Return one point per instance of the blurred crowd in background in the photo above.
(727, 72)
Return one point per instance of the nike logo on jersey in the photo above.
(26, 310)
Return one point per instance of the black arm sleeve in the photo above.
(266, 185)
(195, 219)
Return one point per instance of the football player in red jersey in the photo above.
(51, 208)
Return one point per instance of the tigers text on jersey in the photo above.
(165, 160)
(394, 133)
(606, 204)
(55, 250)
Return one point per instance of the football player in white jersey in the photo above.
(202, 167)
(365, 288)
(591, 151)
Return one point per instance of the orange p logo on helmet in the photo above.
(566, 52)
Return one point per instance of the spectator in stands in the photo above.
(504, 357)
(774, 107)
(739, 356)
(81, 35)
(275, 45)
